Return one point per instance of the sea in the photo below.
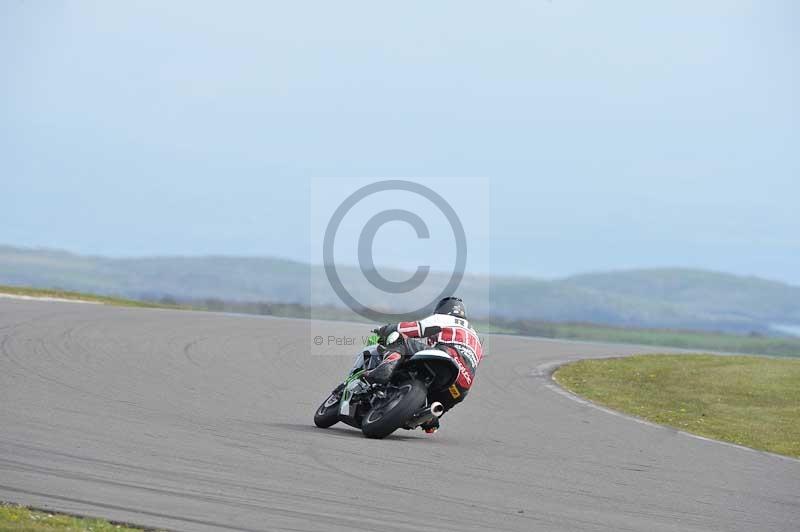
(793, 330)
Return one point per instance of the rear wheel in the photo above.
(327, 414)
(401, 402)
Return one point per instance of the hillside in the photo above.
(664, 298)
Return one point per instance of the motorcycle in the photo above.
(402, 402)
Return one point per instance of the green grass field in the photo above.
(21, 519)
(751, 401)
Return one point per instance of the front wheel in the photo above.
(401, 402)
(327, 414)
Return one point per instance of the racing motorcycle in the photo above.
(380, 409)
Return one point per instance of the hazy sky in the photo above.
(614, 134)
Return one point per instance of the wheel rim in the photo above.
(329, 402)
(398, 393)
(332, 400)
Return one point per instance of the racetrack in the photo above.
(200, 421)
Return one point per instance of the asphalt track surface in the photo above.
(198, 421)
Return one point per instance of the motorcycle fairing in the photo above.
(442, 364)
(353, 385)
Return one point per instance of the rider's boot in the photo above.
(383, 372)
(431, 426)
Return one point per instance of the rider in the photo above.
(448, 330)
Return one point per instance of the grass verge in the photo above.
(756, 344)
(80, 296)
(20, 519)
(751, 401)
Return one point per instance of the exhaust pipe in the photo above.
(424, 415)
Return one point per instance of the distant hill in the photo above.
(664, 298)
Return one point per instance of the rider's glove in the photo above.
(385, 330)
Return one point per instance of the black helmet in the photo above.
(452, 306)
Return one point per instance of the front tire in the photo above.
(390, 414)
(327, 415)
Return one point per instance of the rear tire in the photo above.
(391, 414)
(327, 416)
